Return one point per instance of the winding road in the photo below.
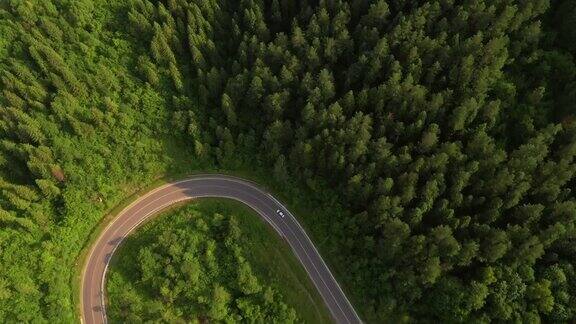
(270, 209)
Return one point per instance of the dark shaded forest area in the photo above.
(444, 130)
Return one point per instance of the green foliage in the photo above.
(78, 131)
(192, 265)
(437, 138)
(445, 129)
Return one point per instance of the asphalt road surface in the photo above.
(271, 210)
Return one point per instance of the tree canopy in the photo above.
(437, 138)
(191, 266)
(441, 125)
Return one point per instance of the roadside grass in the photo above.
(270, 257)
(274, 260)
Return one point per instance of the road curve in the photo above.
(93, 277)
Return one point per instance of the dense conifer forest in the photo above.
(442, 132)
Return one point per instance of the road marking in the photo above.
(318, 253)
(174, 189)
(155, 211)
(317, 272)
(104, 231)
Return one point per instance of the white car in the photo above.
(279, 212)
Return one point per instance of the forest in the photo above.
(200, 262)
(437, 140)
